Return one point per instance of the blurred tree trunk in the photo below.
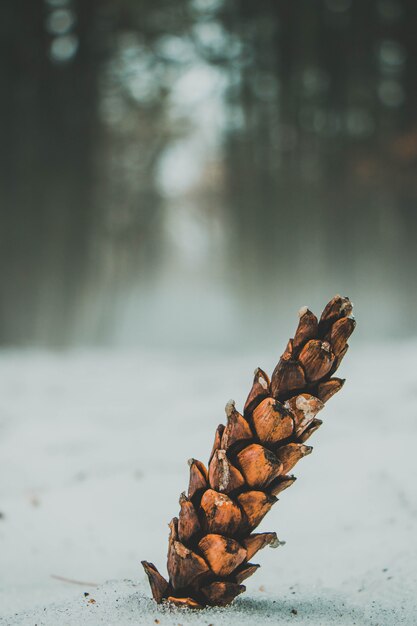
(48, 120)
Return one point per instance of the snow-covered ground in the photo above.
(93, 451)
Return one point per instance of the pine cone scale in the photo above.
(223, 554)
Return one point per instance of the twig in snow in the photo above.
(73, 582)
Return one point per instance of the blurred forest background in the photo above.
(192, 172)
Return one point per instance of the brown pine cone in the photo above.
(212, 541)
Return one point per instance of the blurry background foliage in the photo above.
(189, 173)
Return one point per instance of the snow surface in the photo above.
(93, 451)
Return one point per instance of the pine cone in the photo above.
(212, 541)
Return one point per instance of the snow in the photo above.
(93, 449)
